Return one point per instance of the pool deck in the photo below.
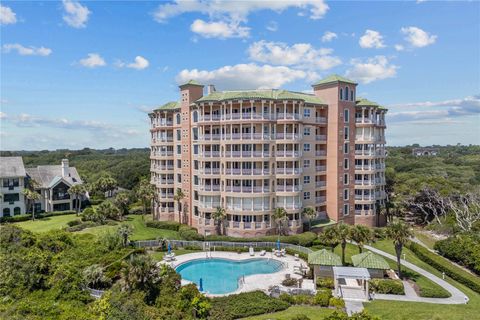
(255, 281)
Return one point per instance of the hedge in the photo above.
(446, 266)
(463, 249)
(305, 239)
(26, 217)
(244, 305)
(166, 225)
(386, 286)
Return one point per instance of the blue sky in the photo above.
(83, 74)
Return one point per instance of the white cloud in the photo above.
(3, 115)
(302, 55)
(243, 76)
(139, 64)
(227, 18)
(399, 47)
(7, 16)
(272, 26)
(75, 15)
(92, 61)
(371, 39)
(219, 29)
(440, 111)
(27, 51)
(372, 69)
(417, 37)
(329, 36)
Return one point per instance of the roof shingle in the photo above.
(11, 167)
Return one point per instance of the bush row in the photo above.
(26, 217)
(387, 286)
(322, 298)
(245, 305)
(167, 225)
(463, 249)
(443, 265)
(303, 239)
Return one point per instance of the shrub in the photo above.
(336, 302)
(444, 265)
(166, 225)
(189, 233)
(433, 292)
(81, 226)
(462, 248)
(325, 283)
(245, 305)
(135, 210)
(291, 282)
(90, 214)
(74, 223)
(386, 286)
(300, 317)
(287, 298)
(322, 298)
(28, 216)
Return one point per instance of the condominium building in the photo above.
(250, 152)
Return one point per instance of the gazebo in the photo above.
(351, 283)
(375, 264)
(323, 261)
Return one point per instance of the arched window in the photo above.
(195, 116)
(352, 96)
(178, 118)
(341, 94)
(6, 212)
(16, 211)
(346, 93)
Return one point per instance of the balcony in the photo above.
(321, 120)
(364, 120)
(321, 137)
(166, 195)
(210, 187)
(363, 182)
(366, 168)
(364, 152)
(164, 181)
(210, 117)
(210, 154)
(161, 168)
(288, 116)
(162, 123)
(321, 168)
(162, 154)
(166, 209)
(320, 184)
(284, 188)
(320, 153)
(210, 171)
(320, 199)
(287, 136)
(288, 171)
(288, 153)
(210, 137)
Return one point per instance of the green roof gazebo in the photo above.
(323, 262)
(375, 264)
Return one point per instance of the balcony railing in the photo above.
(210, 171)
(321, 168)
(320, 184)
(210, 187)
(363, 182)
(288, 153)
(321, 119)
(288, 136)
(288, 171)
(166, 209)
(320, 199)
(288, 116)
(321, 137)
(320, 153)
(284, 188)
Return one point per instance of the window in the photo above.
(351, 96)
(306, 163)
(195, 116)
(346, 93)
(306, 195)
(11, 197)
(346, 133)
(6, 212)
(179, 135)
(306, 179)
(195, 180)
(306, 113)
(345, 147)
(346, 179)
(179, 178)
(345, 209)
(178, 118)
(306, 147)
(345, 164)
(341, 94)
(195, 149)
(16, 211)
(179, 149)
(195, 133)
(306, 131)
(179, 164)
(346, 115)
(345, 194)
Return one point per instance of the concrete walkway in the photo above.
(353, 306)
(457, 296)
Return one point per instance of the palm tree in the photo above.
(146, 193)
(361, 235)
(94, 277)
(141, 272)
(125, 231)
(179, 196)
(310, 213)
(331, 237)
(344, 236)
(31, 196)
(219, 216)
(400, 233)
(122, 199)
(106, 183)
(76, 191)
(108, 209)
(280, 215)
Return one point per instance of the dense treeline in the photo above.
(127, 166)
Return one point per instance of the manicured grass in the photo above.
(313, 313)
(47, 224)
(425, 238)
(140, 230)
(178, 252)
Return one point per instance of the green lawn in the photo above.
(140, 230)
(159, 255)
(47, 224)
(313, 313)
(425, 238)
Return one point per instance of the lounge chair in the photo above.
(296, 257)
(283, 252)
(251, 251)
(263, 252)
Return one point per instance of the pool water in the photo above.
(220, 276)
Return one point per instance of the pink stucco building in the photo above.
(250, 152)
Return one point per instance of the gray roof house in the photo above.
(12, 183)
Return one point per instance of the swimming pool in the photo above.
(220, 276)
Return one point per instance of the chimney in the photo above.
(64, 167)
(210, 88)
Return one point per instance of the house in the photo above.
(54, 182)
(12, 183)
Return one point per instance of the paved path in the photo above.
(457, 296)
(353, 306)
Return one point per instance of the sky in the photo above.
(85, 74)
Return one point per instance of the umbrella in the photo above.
(278, 244)
(169, 248)
(201, 285)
